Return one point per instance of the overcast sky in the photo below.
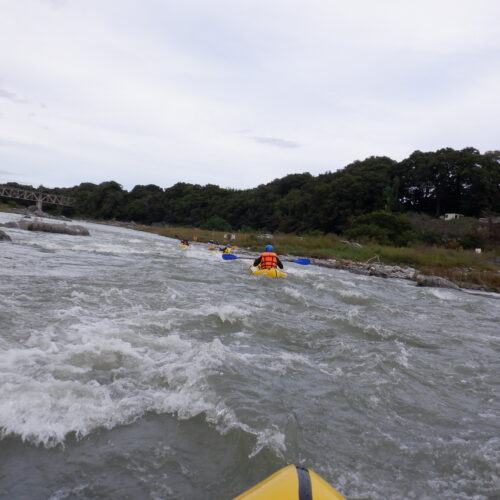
(239, 92)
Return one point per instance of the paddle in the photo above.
(230, 256)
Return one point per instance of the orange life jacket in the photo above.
(269, 260)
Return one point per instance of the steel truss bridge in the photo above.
(38, 197)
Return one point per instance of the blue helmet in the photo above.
(269, 248)
(228, 246)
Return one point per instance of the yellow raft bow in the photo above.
(292, 483)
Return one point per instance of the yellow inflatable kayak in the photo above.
(292, 483)
(184, 246)
(270, 273)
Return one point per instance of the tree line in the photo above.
(460, 181)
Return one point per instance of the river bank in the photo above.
(380, 270)
(427, 266)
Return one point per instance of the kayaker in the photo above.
(185, 242)
(268, 259)
(227, 249)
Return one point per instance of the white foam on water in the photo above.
(402, 356)
(225, 312)
(350, 293)
(69, 492)
(230, 313)
(334, 373)
(322, 287)
(294, 294)
(347, 283)
(270, 438)
(100, 374)
(355, 318)
(442, 294)
(301, 271)
(280, 362)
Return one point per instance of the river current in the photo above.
(131, 368)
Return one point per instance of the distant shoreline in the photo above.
(384, 262)
(427, 266)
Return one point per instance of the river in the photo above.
(131, 368)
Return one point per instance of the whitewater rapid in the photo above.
(133, 368)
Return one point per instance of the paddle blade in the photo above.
(229, 256)
(303, 262)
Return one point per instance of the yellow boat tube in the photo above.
(270, 273)
(292, 483)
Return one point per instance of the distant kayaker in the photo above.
(268, 259)
(185, 242)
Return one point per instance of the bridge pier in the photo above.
(39, 205)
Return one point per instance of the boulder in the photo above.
(58, 228)
(47, 227)
(378, 271)
(12, 224)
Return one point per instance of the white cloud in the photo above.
(156, 92)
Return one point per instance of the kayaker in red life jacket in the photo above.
(268, 259)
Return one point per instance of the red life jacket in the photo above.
(269, 260)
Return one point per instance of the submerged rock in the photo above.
(436, 281)
(4, 236)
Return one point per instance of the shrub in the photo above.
(430, 237)
(383, 227)
(216, 223)
(370, 232)
(452, 245)
(471, 241)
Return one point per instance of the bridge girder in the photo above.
(37, 196)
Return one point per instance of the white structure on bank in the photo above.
(451, 216)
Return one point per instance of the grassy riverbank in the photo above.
(464, 267)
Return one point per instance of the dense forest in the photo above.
(433, 183)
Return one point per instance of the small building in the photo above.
(452, 216)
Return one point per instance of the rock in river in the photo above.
(48, 227)
(4, 236)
